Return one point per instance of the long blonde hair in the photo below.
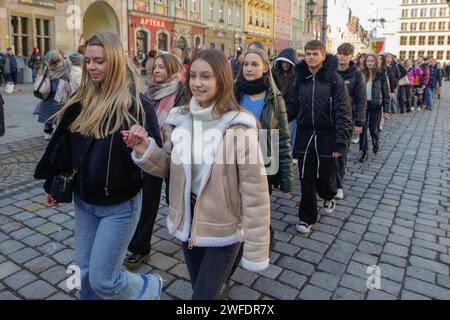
(265, 59)
(106, 106)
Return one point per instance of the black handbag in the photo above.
(63, 184)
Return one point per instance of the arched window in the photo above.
(182, 43)
(163, 42)
(142, 41)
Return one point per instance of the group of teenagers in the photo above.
(124, 145)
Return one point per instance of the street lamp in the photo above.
(311, 5)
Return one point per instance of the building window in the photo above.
(433, 12)
(250, 17)
(180, 4)
(448, 55)
(268, 22)
(212, 45)
(256, 19)
(423, 1)
(238, 16)
(403, 40)
(163, 42)
(211, 11)
(421, 53)
(448, 40)
(404, 26)
(414, 13)
(20, 35)
(431, 40)
(442, 25)
(441, 40)
(230, 18)
(442, 12)
(405, 13)
(42, 35)
(440, 55)
(412, 40)
(430, 54)
(432, 26)
(411, 54)
(262, 21)
(402, 55)
(221, 13)
(415, 1)
(422, 26)
(194, 6)
(159, 1)
(404, 1)
(141, 42)
(222, 47)
(423, 12)
(421, 40)
(413, 26)
(182, 43)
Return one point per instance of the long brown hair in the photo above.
(172, 64)
(106, 106)
(224, 100)
(370, 73)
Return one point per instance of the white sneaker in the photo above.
(329, 206)
(47, 136)
(340, 194)
(355, 140)
(303, 227)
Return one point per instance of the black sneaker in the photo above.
(134, 260)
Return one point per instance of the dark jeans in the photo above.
(151, 194)
(11, 77)
(325, 183)
(373, 118)
(341, 163)
(210, 267)
(404, 98)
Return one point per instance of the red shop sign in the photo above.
(152, 23)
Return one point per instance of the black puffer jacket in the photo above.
(356, 86)
(2, 117)
(94, 183)
(320, 103)
(380, 91)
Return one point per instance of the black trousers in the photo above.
(151, 194)
(341, 163)
(317, 174)
(210, 267)
(373, 118)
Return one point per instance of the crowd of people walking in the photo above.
(119, 146)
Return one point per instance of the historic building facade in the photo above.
(63, 25)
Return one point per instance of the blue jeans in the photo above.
(102, 234)
(429, 96)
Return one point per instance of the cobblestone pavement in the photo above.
(396, 215)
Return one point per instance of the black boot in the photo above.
(364, 157)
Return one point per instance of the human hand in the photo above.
(336, 155)
(136, 138)
(358, 130)
(50, 201)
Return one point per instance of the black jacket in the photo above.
(321, 103)
(435, 77)
(380, 91)
(2, 117)
(356, 86)
(95, 184)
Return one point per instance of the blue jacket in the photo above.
(435, 77)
